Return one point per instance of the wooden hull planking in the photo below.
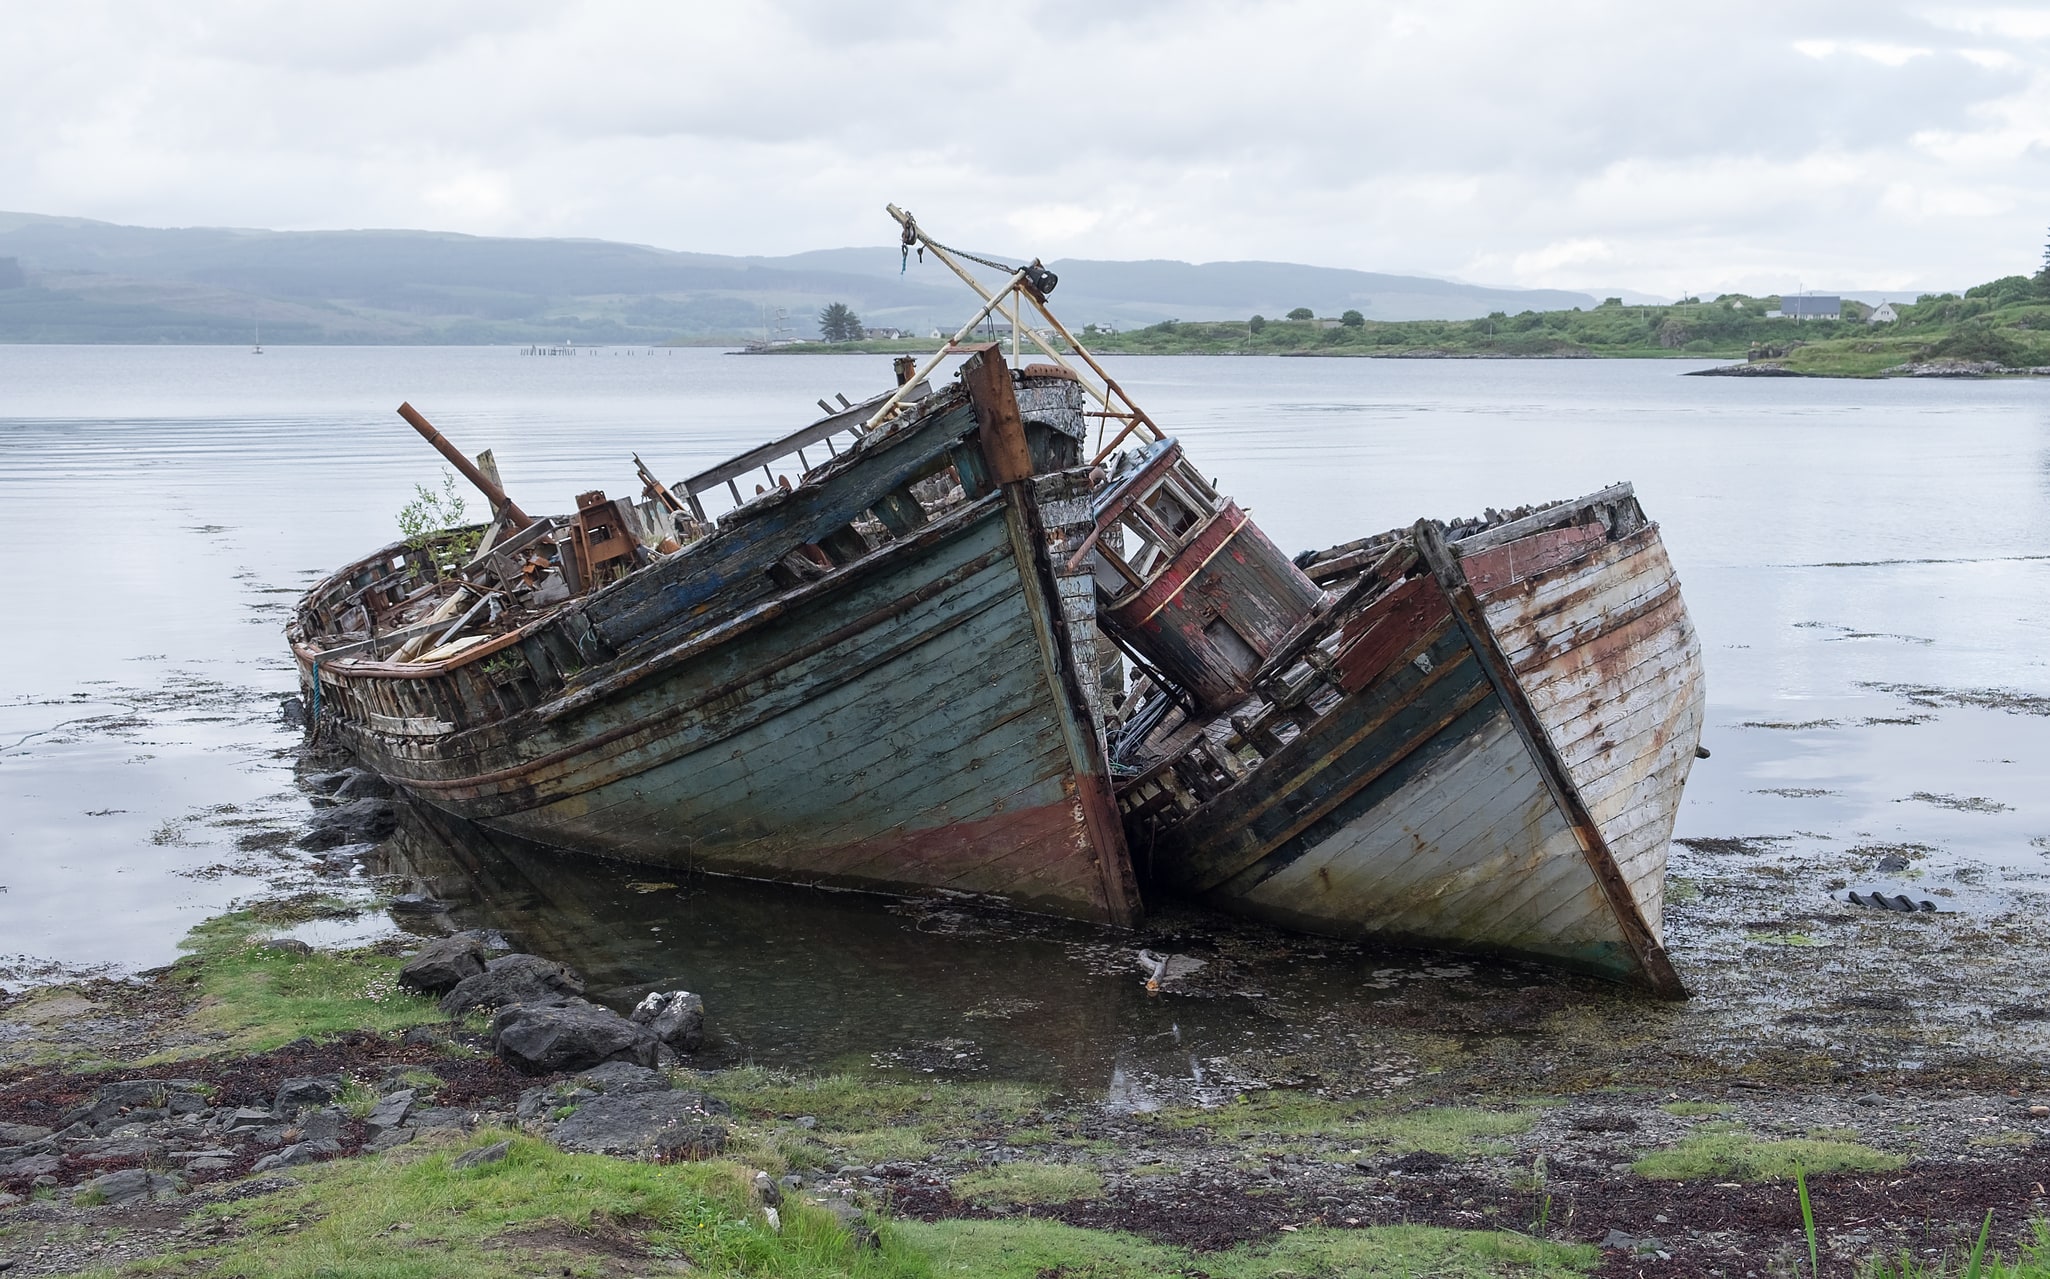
(913, 720)
(1500, 773)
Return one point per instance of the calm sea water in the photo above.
(1868, 564)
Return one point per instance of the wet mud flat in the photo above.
(1274, 1085)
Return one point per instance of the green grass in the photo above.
(408, 1215)
(1028, 1249)
(538, 1211)
(263, 998)
(1731, 1154)
(849, 1104)
(1022, 1182)
(1443, 1130)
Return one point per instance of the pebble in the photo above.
(2040, 1112)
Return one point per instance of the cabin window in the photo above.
(1228, 644)
(1172, 512)
(1145, 553)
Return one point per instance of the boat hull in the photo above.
(1500, 772)
(915, 718)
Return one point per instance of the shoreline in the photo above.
(1571, 1125)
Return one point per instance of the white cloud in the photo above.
(1488, 138)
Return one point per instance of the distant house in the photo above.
(1883, 314)
(885, 333)
(1324, 323)
(1812, 306)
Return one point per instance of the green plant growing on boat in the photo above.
(430, 514)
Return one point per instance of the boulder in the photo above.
(21, 1134)
(322, 1125)
(514, 979)
(676, 1016)
(357, 821)
(621, 1076)
(304, 1152)
(134, 1100)
(490, 1154)
(438, 1117)
(286, 946)
(542, 1039)
(390, 1112)
(647, 1125)
(295, 1095)
(32, 1166)
(130, 1185)
(440, 964)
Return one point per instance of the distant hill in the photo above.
(75, 280)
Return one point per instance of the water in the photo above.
(1867, 563)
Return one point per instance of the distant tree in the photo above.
(1353, 320)
(1255, 324)
(1302, 313)
(838, 324)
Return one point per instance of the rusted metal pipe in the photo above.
(501, 505)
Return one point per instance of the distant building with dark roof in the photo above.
(1812, 306)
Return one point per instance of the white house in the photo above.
(1882, 314)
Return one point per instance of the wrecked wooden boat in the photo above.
(1471, 737)
(965, 653)
(864, 679)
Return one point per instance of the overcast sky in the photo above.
(1761, 146)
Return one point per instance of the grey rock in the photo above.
(860, 1231)
(247, 1118)
(676, 1016)
(287, 945)
(386, 1140)
(121, 1149)
(648, 1125)
(440, 964)
(268, 1138)
(130, 1185)
(292, 713)
(390, 1112)
(543, 1039)
(438, 1117)
(622, 1076)
(304, 1152)
(32, 1166)
(21, 1134)
(7, 1201)
(118, 1103)
(356, 821)
(361, 783)
(188, 1156)
(514, 979)
(1619, 1239)
(322, 1125)
(210, 1163)
(295, 1095)
(806, 1121)
(1870, 1099)
(767, 1190)
(425, 1036)
(482, 1155)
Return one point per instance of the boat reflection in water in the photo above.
(941, 988)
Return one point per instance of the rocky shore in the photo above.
(445, 1099)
